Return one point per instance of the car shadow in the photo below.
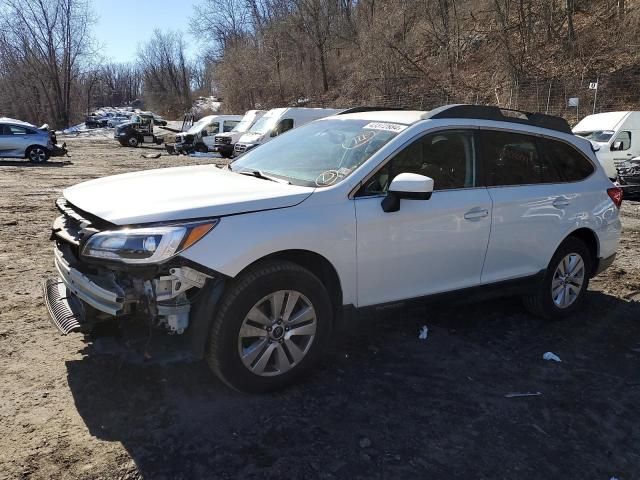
(27, 163)
(385, 404)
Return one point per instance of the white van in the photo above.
(200, 137)
(277, 121)
(225, 142)
(615, 135)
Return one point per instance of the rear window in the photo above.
(514, 159)
(571, 165)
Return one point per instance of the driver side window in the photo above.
(624, 140)
(448, 157)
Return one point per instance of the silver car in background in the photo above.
(20, 139)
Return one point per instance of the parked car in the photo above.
(23, 140)
(225, 142)
(201, 136)
(256, 262)
(158, 120)
(96, 121)
(116, 120)
(629, 178)
(616, 136)
(277, 121)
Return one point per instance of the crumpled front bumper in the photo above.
(102, 294)
(59, 150)
(68, 296)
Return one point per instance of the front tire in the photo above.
(37, 154)
(133, 141)
(271, 327)
(561, 292)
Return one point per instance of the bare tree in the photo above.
(45, 46)
(165, 72)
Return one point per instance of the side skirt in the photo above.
(507, 288)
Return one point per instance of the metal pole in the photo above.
(595, 95)
(548, 97)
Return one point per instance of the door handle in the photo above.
(476, 214)
(561, 202)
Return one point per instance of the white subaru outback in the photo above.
(255, 263)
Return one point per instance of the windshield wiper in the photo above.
(259, 174)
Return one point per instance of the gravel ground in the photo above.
(383, 403)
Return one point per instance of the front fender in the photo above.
(240, 240)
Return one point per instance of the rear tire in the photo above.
(561, 292)
(252, 345)
(226, 154)
(37, 154)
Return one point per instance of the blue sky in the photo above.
(124, 24)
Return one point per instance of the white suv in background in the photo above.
(256, 262)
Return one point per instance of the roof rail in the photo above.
(368, 109)
(486, 112)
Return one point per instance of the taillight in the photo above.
(615, 194)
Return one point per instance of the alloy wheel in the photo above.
(568, 280)
(277, 333)
(37, 155)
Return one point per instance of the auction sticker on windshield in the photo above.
(358, 140)
(389, 127)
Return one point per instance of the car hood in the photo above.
(250, 138)
(181, 193)
(124, 125)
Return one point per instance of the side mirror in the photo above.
(408, 186)
(616, 146)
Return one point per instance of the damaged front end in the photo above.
(629, 178)
(107, 272)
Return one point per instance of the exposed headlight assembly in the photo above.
(145, 245)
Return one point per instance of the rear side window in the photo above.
(16, 130)
(571, 165)
(514, 159)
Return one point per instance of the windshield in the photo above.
(199, 125)
(263, 125)
(321, 153)
(136, 119)
(244, 124)
(601, 136)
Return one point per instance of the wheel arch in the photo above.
(26, 150)
(590, 239)
(317, 264)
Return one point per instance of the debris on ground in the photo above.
(551, 356)
(424, 333)
(150, 155)
(365, 442)
(524, 394)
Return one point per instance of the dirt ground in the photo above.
(383, 403)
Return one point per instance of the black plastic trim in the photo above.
(603, 264)
(486, 112)
(505, 288)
